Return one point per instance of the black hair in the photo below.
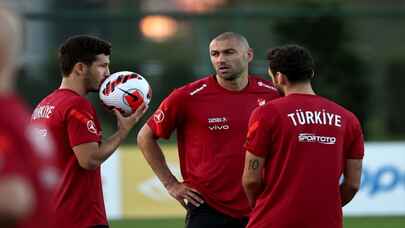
(293, 61)
(81, 48)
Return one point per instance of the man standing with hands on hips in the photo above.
(210, 116)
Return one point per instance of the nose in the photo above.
(107, 72)
(221, 58)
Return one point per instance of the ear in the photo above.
(79, 68)
(281, 79)
(250, 54)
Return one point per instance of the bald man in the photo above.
(27, 173)
(210, 116)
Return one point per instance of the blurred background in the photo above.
(358, 47)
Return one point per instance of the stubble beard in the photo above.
(90, 84)
(232, 76)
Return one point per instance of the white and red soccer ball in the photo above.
(125, 91)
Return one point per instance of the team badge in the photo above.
(159, 116)
(91, 127)
(261, 101)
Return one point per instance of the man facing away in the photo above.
(210, 116)
(298, 147)
(28, 173)
(71, 118)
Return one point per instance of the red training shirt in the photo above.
(211, 124)
(305, 140)
(72, 119)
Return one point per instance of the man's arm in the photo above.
(252, 177)
(154, 156)
(92, 155)
(351, 180)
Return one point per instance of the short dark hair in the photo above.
(233, 35)
(81, 48)
(293, 61)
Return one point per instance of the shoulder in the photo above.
(262, 85)
(190, 89)
(73, 100)
(65, 101)
(269, 108)
(81, 102)
(196, 87)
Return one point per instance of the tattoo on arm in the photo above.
(253, 164)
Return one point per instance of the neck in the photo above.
(71, 82)
(302, 88)
(237, 84)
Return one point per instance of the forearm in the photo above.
(351, 180)
(156, 160)
(252, 179)
(347, 192)
(109, 146)
(252, 190)
(125, 124)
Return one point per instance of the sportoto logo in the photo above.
(312, 138)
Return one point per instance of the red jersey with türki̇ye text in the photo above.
(305, 140)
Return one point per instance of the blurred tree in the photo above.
(340, 72)
(394, 98)
(36, 85)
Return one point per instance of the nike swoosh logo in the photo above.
(130, 94)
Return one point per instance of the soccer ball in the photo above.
(125, 91)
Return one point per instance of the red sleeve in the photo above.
(82, 124)
(257, 140)
(167, 117)
(355, 147)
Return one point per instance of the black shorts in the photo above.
(205, 216)
(100, 226)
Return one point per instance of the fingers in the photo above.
(193, 198)
(184, 194)
(117, 113)
(140, 111)
(181, 201)
(194, 190)
(196, 195)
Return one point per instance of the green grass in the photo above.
(351, 222)
(375, 222)
(148, 223)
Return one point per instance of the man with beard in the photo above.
(211, 117)
(71, 118)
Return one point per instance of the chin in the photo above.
(228, 77)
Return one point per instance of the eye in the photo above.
(230, 51)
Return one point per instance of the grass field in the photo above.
(353, 222)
